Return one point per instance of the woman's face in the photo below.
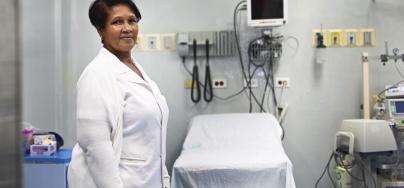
(121, 29)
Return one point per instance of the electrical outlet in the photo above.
(253, 82)
(188, 84)
(152, 42)
(282, 82)
(219, 83)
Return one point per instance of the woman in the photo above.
(121, 114)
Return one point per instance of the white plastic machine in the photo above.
(370, 135)
(364, 136)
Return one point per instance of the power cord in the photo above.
(203, 85)
(363, 167)
(326, 169)
(195, 85)
(247, 79)
(338, 158)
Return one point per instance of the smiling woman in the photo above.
(121, 114)
(121, 29)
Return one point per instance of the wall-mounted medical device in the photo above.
(344, 142)
(266, 13)
(370, 135)
(394, 91)
(222, 43)
(384, 58)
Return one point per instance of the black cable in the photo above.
(271, 70)
(264, 43)
(218, 97)
(252, 53)
(325, 169)
(265, 90)
(347, 168)
(330, 177)
(236, 10)
(253, 50)
(271, 84)
(208, 88)
(195, 79)
(283, 131)
(364, 178)
(251, 93)
(236, 37)
(248, 81)
(240, 56)
(239, 50)
(271, 78)
(250, 76)
(362, 165)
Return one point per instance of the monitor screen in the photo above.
(399, 106)
(266, 9)
(264, 13)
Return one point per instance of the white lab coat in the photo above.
(97, 160)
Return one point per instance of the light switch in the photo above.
(367, 38)
(139, 45)
(168, 41)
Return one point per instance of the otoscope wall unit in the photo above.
(222, 43)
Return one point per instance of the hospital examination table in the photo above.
(233, 151)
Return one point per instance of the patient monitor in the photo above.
(267, 13)
(370, 135)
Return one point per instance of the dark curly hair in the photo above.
(98, 11)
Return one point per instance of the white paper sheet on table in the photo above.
(233, 151)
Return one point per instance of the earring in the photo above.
(102, 40)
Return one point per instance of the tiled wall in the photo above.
(9, 147)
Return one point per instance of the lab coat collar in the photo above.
(120, 68)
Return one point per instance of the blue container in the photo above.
(47, 171)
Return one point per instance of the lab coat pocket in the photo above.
(134, 159)
(133, 169)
